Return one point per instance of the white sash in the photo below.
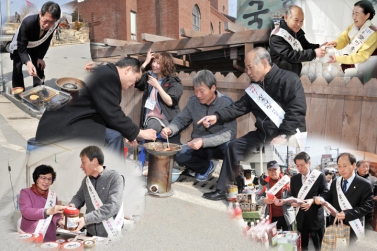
(308, 184)
(295, 44)
(344, 205)
(273, 111)
(359, 38)
(279, 185)
(32, 44)
(113, 226)
(43, 224)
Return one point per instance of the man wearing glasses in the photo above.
(31, 42)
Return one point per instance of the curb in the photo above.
(26, 108)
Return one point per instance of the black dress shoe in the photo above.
(216, 195)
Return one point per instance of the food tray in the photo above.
(45, 98)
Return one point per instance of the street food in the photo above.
(17, 90)
(34, 97)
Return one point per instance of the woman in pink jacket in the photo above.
(40, 214)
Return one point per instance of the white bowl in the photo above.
(175, 175)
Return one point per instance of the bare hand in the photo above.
(278, 202)
(61, 223)
(375, 197)
(278, 141)
(318, 200)
(57, 209)
(320, 52)
(341, 215)
(131, 143)
(148, 134)
(31, 69)
(150, 55)
(333, 59)
(166, 132)
(331, 44)
(90, 66)
(307, 204)
(41, 64)
(71, 205)
(81, 224)
(268, 201)
(208, 121)
(152, 81)
(195, 144)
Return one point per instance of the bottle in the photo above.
(238, 211)
(231, 210)
(70, 215)
(251, 231)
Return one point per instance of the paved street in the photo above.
(184, 221)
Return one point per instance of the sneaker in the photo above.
(192, 173)
(204, 177)
(145, 170)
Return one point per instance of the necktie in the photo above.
(344, 187)
(304, 179)
(41, 33)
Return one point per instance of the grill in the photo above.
(45, 98)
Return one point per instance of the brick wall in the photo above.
(160, 17)
(114, 18)
(219, 4)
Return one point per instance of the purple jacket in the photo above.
(32, 207)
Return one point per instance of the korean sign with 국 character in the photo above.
(257, 15)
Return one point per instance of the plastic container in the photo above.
(71, 214)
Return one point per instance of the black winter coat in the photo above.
(286, 89)
(88, 115)
(172, 86)
(284, 56)
(29, 31)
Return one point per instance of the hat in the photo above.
(272, 164)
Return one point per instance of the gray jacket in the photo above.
(288, 210)
(194, 111)
(109, 186)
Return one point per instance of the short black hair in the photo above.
(52, 8)
(327, 172)
(351, 157)
(204, 77)
(367, 7)
(129, 61)
(93, 152)
(43, 169)
(302, 155)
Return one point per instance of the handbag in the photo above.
(337, 236)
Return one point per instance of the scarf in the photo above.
(35, 189)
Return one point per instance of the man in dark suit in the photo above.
(357, 190)
(34, 28)
(95, 114)
(310, 217)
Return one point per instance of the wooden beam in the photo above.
(234, 27)
(191, 33)
(248, 47)
(154, 38)
(182, 62)
(227, 39)
(116, 42)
